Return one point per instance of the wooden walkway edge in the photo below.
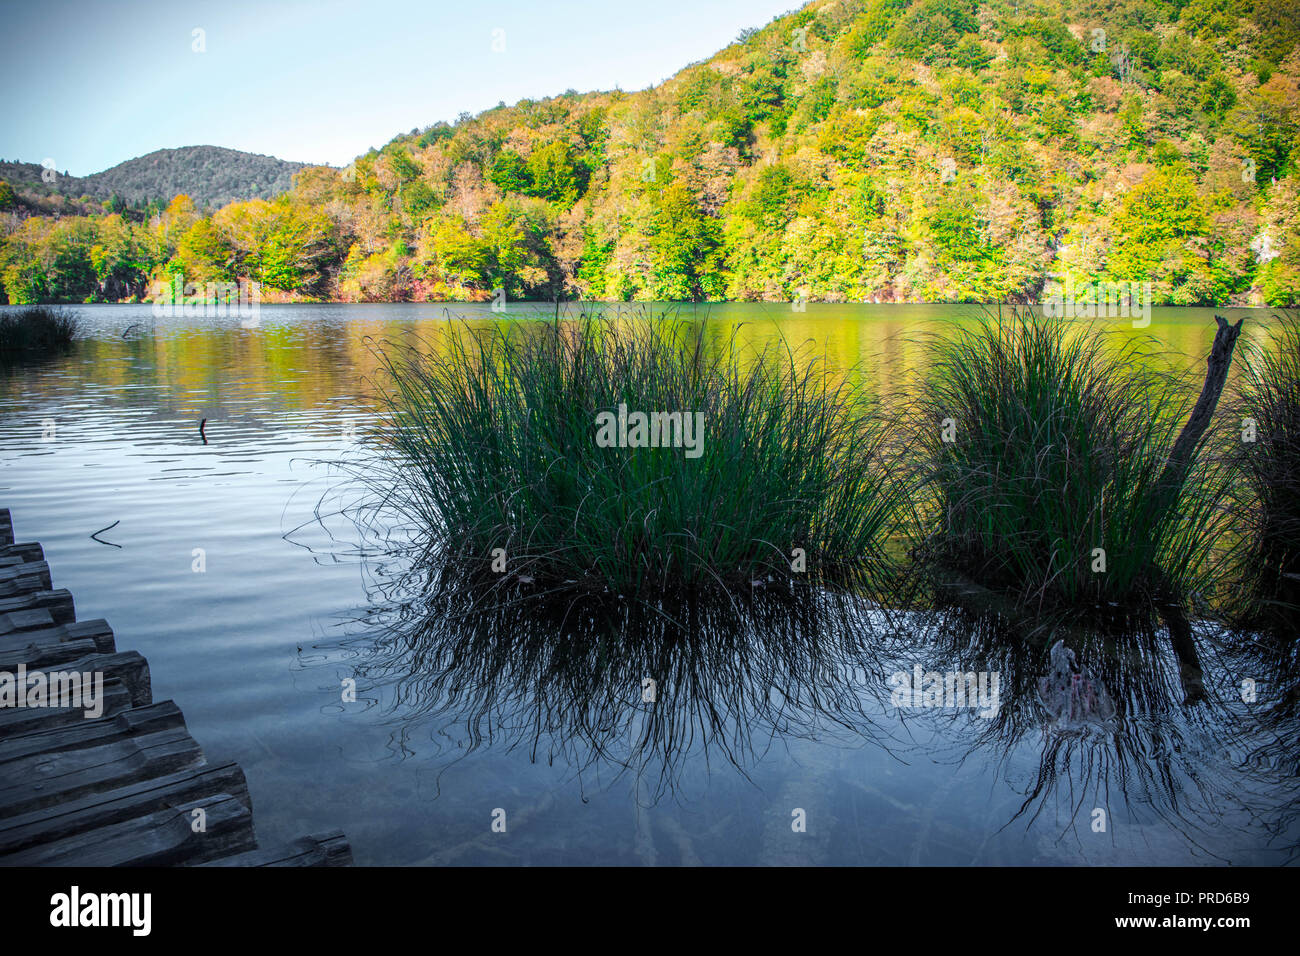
(127, 787)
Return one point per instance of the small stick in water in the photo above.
(201, 435)
(95, 536)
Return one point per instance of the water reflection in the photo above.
(605, 692)
(639, 687)
(1147, 752)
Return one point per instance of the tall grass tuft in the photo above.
(36, 331)
(490, 443)
(1058, 442)
(1269, 462)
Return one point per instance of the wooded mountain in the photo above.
(210, 175)
(852, 150)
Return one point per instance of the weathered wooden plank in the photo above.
(32, 620)
(46, 780)
(97, 631)
(6, 527)
(165, 837)
(26, 551)
(58, 603)
(101, 809)
(127, 670)
(320, 849)
(91, 733)
(18, 722)
(25, 578)
(39, 657)
(127, 666)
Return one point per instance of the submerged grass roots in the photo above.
(1043, 449)
(525, 438)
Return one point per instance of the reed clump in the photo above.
(36, 331)
(1266, 455)
(1042, 450)
(515, 453)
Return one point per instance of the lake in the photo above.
(254, 646)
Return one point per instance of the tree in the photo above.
(554, 175)
(685, 248)
(511, 173)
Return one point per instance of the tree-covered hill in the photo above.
(852, 150)
(210, 175)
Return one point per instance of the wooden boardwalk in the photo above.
(129, 787)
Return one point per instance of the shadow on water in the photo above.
(1115, 739)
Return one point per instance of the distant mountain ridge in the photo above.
(210, 175)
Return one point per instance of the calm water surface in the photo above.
(249, 648)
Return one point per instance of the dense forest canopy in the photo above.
(852, 150)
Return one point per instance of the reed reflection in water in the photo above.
(1144, 758)
(632, 687)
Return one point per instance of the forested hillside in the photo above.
(210, 175)
(877, 150)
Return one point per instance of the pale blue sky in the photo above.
(90, 83)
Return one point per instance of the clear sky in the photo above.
(90, 83)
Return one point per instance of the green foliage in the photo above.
(1057, 446)
(1267, 124)
(1278, 23)
(511, 173)
(971, 54)
(419, 199)
(933, 23)
(1217, 96)
(774, 168)
(554, 175)
(685, 247)
(403, 165)
(435, 134)
(874, 24)
(1164, 237)
(773, 195)
(593, 266)
(493, 444)
(762, 93)
(1268, 501)
(1055, 38)
(815, 105)
(1132, 118)
(1211, 19)
(957, 231)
